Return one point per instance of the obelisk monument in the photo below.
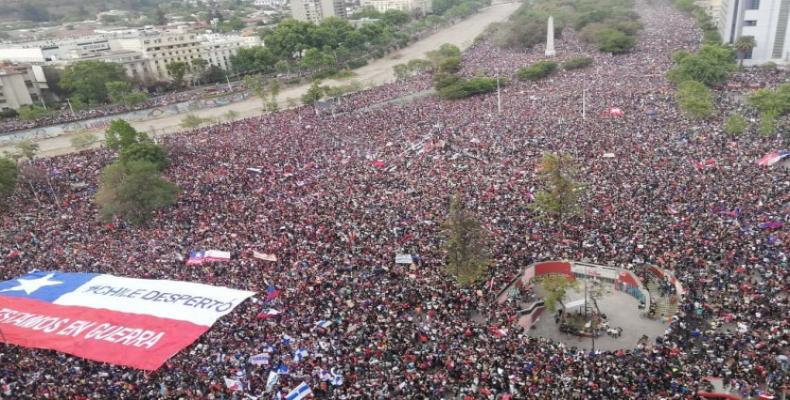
(550, 52)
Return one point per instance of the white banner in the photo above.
(186, 301)
(600, 271)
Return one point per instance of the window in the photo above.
(750, 23)
(752, 4)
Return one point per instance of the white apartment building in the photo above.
(768, 21)
(161, 48)
(144, 54)
(21, 85)
(316, 10)
(217, 49)
(408, 6)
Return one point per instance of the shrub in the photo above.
(695, 99)
(614, 41)
(537, 71)
(735, 125)
(463, 88)
(577, 62)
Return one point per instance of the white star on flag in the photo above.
(31, 285)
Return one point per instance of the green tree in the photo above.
(257, 58)
(177, 70)
(213, 74)
(82, 141)
(614, 41)
(9, 172)
(199, 66)
(560, 199)
(120, 135)
(537, 71)
(256, 84)
(577, 63)
(401, 71)
(695, 99)
(313, 94)
(133, 191)
(30, 112)
(743, 46)
(86, 80)
(775, 102)
(395, 17)
(118, 91)
(466, 244)
(450, 65)
(711, 65)
(556, 288)
(145, 151)
(315, 60)
(767, 125)
(290, 38)
(735, 124)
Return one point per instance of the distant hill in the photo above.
(57, 10)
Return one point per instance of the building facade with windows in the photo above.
(316, 10)
(768, 21)
(408, 6)
(21, 85)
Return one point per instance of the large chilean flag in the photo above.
(139, 323)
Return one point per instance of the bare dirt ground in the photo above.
(377, 72)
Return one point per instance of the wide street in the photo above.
(377, 72)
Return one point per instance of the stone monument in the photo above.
(550, 52)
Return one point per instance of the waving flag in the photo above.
(138, 323)
(264, 256)
(300, 355)
(271, 293)
(196, 257)
(217, 255)
(272, 380)
(267, 313)
(773, 158)
(299, 393)
(323, 324)
(234, 384)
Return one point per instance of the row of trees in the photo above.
(332, 44)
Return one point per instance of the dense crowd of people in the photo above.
(66, 114)
(337, 197)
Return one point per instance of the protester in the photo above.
(336, 197)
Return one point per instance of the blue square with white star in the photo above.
(44, 285)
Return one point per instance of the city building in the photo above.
(144, 53)
(20, 85)
(217, 49)
(316, 10)
(408, 6)
(768, 21)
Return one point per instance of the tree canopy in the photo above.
(133, 191)
(560, 198)
(711, 65)
(555, 288)
(120, 135)
(695, 99)
(87, 81)
(466, 244)
(8, 177)
(145, 151)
